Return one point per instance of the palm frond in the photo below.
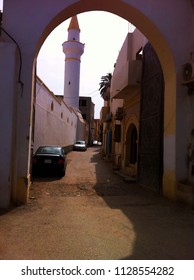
(105, 84)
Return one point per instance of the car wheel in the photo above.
(62, 173)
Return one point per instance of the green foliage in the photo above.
(105, 84)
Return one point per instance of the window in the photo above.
(117, 133)
(52, 106)
(84, 116)
(139, 54)
(82, 102)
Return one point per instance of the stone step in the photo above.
(126, 178)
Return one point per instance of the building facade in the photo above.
(55, 123)
(86, 107)
(133, 118)
(125, 102)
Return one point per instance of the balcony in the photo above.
(119, 114)
(108, 117)
(126, 80)
(103, 114)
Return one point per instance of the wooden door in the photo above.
(150, 158)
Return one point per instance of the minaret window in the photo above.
(52, 106)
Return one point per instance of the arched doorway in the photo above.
(148, 22)
(131, 146)
(131, 150)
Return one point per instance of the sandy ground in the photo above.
(92, 214)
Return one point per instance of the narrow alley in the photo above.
(91, 213)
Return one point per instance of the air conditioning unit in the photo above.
(188, 72)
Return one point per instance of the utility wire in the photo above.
(86, 95)
(20, 57)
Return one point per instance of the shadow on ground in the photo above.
(123, 221)
(163, 229)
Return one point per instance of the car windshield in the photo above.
(80, 142)
(49, 150)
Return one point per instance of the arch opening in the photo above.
(130, 10)
(145, 24)
(135, 16)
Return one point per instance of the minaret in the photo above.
(73, 50)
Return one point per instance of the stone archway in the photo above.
(149, 21)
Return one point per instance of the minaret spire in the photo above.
(74, 23)
(73, 50)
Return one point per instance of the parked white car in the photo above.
(80, 145)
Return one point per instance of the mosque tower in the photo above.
(73, 50)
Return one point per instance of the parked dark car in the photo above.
(80, 145)
(50, 159)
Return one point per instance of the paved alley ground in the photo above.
(91, 213)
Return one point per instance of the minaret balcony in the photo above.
(73, 49)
